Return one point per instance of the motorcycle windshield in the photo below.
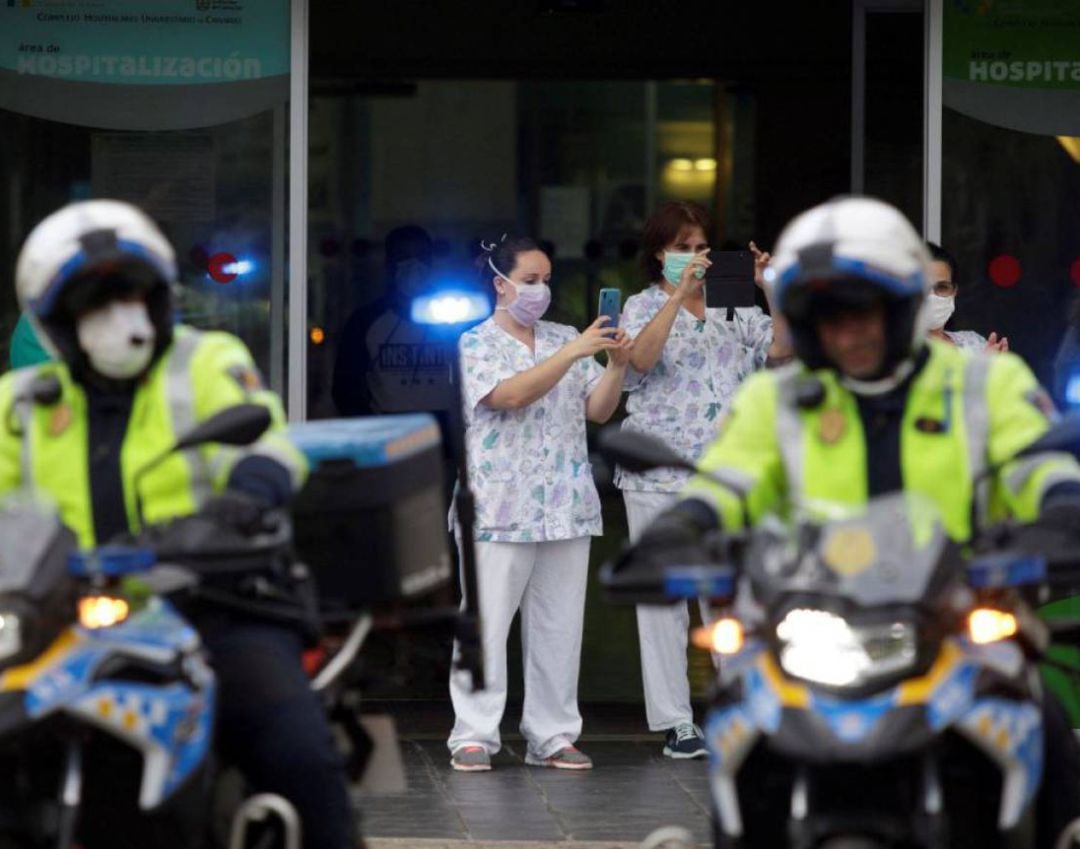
(29, 531)
(888, 551)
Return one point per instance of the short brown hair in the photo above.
(665, 225)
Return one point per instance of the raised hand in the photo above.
(693, 276)
(761, 262)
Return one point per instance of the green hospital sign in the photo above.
(1014, 63)
(56, 53)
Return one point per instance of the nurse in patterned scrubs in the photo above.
(528, 387)
(688, 360)
(941, 302)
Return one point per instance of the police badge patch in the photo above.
(247, 378)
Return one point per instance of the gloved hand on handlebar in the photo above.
(256, 485)
(675, 538)
(1060, 508)
(237, 510)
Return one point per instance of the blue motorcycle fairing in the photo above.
(155, 633)
(1008, 731)
(170, 724)
(734, 666)
(172, 727)
(851, 721)
(730, 732)
(762, 701)
(1011, 733)
(155, 626)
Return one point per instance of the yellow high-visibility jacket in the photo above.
(44, 446)
(964, 414)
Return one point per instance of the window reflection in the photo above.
(209, 189)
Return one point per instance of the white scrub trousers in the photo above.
(663, 631)
(547, 581)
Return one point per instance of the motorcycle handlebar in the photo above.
(635, 579)
(205, 544)
(1058, 547)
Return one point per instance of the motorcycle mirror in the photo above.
(637, 452)
(241, 424)
(238, 425)
(1062, 437)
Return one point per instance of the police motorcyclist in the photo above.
(872, 407)
(95, 279)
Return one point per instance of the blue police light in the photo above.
(1072, 390)
(240, 267)
(450, 307)
(224, 267)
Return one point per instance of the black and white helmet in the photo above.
(84, 255)
(852, 251)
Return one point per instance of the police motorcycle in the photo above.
(362, 546)
(106, 700)
(876, 683)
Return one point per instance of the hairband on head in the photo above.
(490, 246)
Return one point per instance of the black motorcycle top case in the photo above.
(370, 521)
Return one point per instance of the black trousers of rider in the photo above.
(274, 728)
(1059, 796)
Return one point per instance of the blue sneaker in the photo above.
(685, 741)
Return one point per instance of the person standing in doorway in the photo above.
(688, 360)
(941, 304)
(386, 362)
(528, 387)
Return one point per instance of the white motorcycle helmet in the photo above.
(84, 256)
(848, 253)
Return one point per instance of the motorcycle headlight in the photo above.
(10, 634)
(823, 648)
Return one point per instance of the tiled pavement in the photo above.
(417, 843)
(632, 791)
(412, 843)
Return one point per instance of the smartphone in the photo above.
(611, 306)
(729, 281)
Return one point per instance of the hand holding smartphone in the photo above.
(610, 305)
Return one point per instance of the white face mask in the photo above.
(118, 339)
(939, 310)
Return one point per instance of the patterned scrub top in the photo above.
(529, 468)
(683, 398)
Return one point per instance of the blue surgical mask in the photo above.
(675, 264)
